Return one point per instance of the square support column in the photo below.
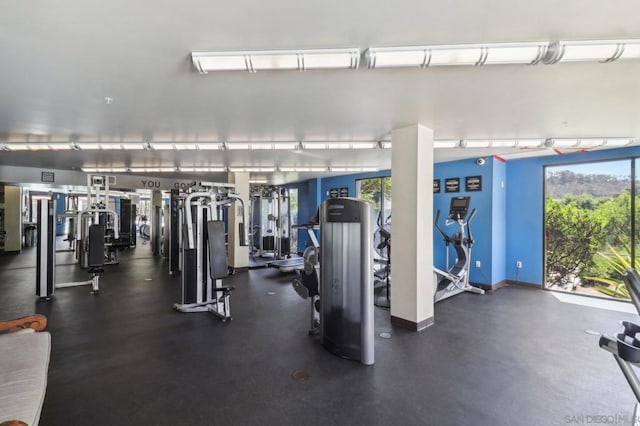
(412, 228)
(239, 255)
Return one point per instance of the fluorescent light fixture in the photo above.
(340, 145)
(253, 61)
(110, 146)
(104, 169)
(461, 54)
(502, 143)
(257, 181)
(573, 143)
(592, 50)
(385, 144)
(262, 145)
(252, 169)
(152, 169)
(446, 144)
(353, 169)
(162, 146)
(43, 146)
(209, 146)
(303, 169)
(618, 142)
(217, 169)
(587, 142)
(180, 146)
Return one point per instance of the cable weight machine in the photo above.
(204, 261)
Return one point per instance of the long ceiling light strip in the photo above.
(461, 54)
(257, 146)
(592, 50)
(583, 143)
(254, 61)
(340, 145)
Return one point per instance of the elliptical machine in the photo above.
(625, 346)
(455, 279)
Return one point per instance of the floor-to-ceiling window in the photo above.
(378, 192)
(293, 211)
(589, 240)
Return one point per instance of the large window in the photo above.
(589, 227)
(378, 192)
(293, 211)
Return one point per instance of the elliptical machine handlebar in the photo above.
(444, 235)
(469, 234)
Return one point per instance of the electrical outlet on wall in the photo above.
(478, 263)
(519, 264)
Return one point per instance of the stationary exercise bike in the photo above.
(455, 279)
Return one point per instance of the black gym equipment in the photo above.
(455, 279)
(625, 346)
(382, 263)
(307, 285)
(91, 248)
(338, 278)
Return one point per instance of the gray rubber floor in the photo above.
(125, 357)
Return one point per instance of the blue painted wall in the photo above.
(481, 225)
(525, 209)
(508, 226)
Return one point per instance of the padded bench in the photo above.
(24, 362)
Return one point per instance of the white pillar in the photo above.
(239, 255)
(412, 251)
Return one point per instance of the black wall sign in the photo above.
(436, 186)
(333, 193)
(344, 192)
(473, 183)
(47, 177)
(452, 185)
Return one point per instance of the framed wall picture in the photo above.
(48, 177)
(473, 183)
(344, 191)
(436, 186)
(452, 185)
(333, 193)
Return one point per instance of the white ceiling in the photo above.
(60, 59)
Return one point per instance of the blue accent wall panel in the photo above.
(482, 222)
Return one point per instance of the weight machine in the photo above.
(307, 285)
(455, 279)
(204, 261)
(270, 222)
(90, 231)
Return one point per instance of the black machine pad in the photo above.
(218, 264)
(96, 245)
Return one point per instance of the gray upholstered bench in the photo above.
(24, 362)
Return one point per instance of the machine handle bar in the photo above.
(445, 237)
(469, 234)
